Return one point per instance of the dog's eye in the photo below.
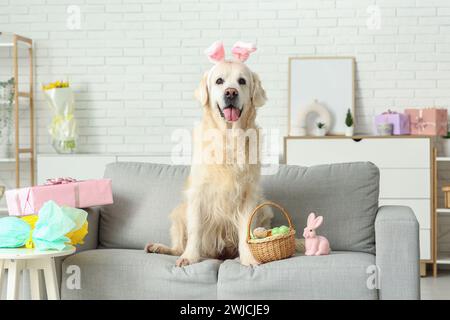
(242, 81)
(219, 81)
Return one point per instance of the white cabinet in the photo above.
(404, 163)
(80, 167)
(85, 166)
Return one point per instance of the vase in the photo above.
(349, 131)
(64, 146)
(321, 132)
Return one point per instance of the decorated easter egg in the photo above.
(275, 231)
(283, 230)
(260, 233)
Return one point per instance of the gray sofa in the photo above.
(364, 239)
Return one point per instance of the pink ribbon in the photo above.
(66, 180)
(55, 181)
(420, 123)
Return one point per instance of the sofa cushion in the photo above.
(144, 196)
(340, 275)
(134, 274)
(345, 194)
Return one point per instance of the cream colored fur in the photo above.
(221, 193)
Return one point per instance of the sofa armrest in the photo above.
(397, 253)
(91, 239)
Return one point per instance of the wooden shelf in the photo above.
(443, 258)
(14, 41)
(12, 160)
(440, 257)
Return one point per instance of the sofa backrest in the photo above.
(144, 195)
(345, 194)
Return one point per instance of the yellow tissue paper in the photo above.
(76, 237)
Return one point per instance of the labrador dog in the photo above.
(222, 191)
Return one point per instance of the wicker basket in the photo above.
(276, 247)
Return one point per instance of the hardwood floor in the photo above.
(436, 288)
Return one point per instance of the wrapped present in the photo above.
(64, 191)
(430, 121)
(53, 229)
(399, 121)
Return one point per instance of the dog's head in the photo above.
(231, 91)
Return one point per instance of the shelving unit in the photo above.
(443, 258)
(439, 257)
(15, 42)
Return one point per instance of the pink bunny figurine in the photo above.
(315, 245)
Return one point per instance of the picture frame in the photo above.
(329, 81)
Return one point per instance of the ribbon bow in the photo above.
(420, 123)
(390, 112)
(54, 181)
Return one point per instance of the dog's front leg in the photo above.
(245, 255)
(192, 252)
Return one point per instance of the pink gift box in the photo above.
(399, 121)
(430, 121)
(79, 194)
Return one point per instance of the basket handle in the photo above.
(267, 203)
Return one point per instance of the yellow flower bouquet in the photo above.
(63, 128)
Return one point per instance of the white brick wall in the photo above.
(134, 64)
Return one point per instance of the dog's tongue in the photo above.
(231, 114)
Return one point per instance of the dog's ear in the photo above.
(201, 93)
(259, 94)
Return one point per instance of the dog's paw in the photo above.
(249, 261)
(182, 261)
(153, 248)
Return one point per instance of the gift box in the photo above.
(399, 121)
(430, 121)
(77, 194)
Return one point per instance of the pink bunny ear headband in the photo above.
(240, 50)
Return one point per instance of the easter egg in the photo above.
(275, 231)
(260, 233)
(283, 230)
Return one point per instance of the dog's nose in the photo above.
(231, 93)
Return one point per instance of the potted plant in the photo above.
(349, 130)
(6, 118)
(321, 129)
